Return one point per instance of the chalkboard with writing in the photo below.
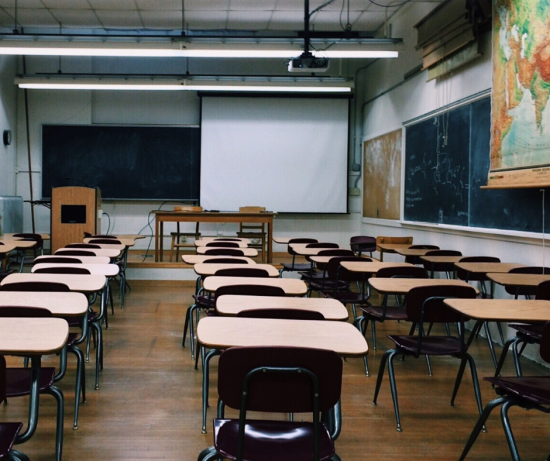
(446, 163)
(125, 162)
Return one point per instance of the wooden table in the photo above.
(81, 283)
(390, 248)
(231, 305)
(518, 280)
(211, 269)
(108, 270)
(412, 251)
(198, 259)
(369, 267)
(503, 310)
(11, 236)
(60, 304)
(33, 337)
(433, 260)
(246, 251)
(162, 216)
(402, 286)
(292, 287)
(110, 253)
(220, 333)
(204, 242)
(19, 243)
(82, 259)
(107, 246)
(480, 270)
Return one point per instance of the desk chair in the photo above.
(293, 267)
(416, 259)
(254, 231)
(362, 244)
(4, 272)
(177, 243)
(518, 291)
(448, 268)
(22, 258)
(276, 380)
(530, 392)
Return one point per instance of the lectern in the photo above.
(75, 210)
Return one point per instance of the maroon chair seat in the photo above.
(104, 241)
(222, 244)
(224, 252)
(58, 260)
(424, 306)
(275, 380)
(529, 392)
(69, 252)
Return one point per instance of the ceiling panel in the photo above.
(164, 5)
(126, 5)
(65, 4)
(76, 18)
(219, 5)
(162, 19)
(248, 20)
(119, 19)
(207, 20)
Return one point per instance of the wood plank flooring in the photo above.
(148, 406)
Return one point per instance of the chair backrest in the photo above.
(255, 227)
(252, 209)
(223, 244)
(443, 253)
(525, 291)
(322, 245)
(423, 247)
(249, 271)
(441, 266)
(414, 272)
(227, 239)
(384, 239)
(105, 241)
(24, 312)
(545, 343)
(225, 261)
(303, 240)
(425, 304)
(461, 274)
(100, 236)
(188, 208)
(62, 270)
(58, 260)
(224, 252)
(35, 286)
(281, 392)
(70, 252)
(83, 245)
(280, 313)
(250, 290)
(543, 291)
(362, 244)
(339, 252)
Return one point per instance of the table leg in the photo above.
(156, 238)
(270, 241)
(161, 243)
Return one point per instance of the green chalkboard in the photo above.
(446, 163)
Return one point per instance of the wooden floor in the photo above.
(148, 406)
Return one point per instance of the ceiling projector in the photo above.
(308, 63)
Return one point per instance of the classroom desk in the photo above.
(81, 283)
(302, 250)
(218, 333)
(231, 305)
(398, 286)
(82, 259)
(19, 243)
(11, 236)
(162, 216)
(292, 287)
(5, 249)
(503, 310)
(282, 240)
(390, 248)
(412, 251)
(431, 261)
(108, 270)
(60, 304)
(519, 280)
(246, 251)
(198, 259)
(108, 246)
(326, 259)
(481, 269)
(126, 242)
(110, 253)
(369, 267)
(33, 337)
(204, 242)
(225, 239)
(210, 269)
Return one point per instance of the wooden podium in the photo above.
(75, 210)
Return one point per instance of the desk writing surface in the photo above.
(108, 270)
(82, 259)
(108, 246)
(392, 247)
(198, 259)
(503, 310)
(523, 280)
(110, 253)
(282, 240)
(246, 251)
(211, 269)
(370, 267)
(302, 250)
(225, 239)
(32, 336)
(326, 259)
(6, 248)
(125, 242)
(11, 235)
(292, 287)
(413, 251)
(58, 303)
(204, 242)
(76, 282)
(224, 332)
(440, 259)
(231, 305)
(484, 268)
(18, 243)
(401, 286)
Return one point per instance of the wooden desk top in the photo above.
(210, 269)
(370, 267)
(82, 259)
(18, 243)
(523, 280)
(326, 259)
(204, 242)
(11, 235)
(292, 287)
(440, 259)
(225, 239)
(75, 282)
(98, 252)
(59, 304)
(300, 248)
(503, 310)
(125, 242)
(6, 248)
(412, 251)
(246, 251)
(390, 286)
(282, 240)
(130, 236)
(32, 336)
(107, 246)
(224, 332)
(484, 268)
(392, 247)
(199, 259)
(108, 270)
(231, 305)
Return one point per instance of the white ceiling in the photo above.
(154, 15)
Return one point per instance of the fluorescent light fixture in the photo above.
(28, 47)
(268, 86)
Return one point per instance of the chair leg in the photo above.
(508, 429)
(502, 359)
(58, 395)
(98, 353)
(490, 341)
(206, 384)
(208, 453)
(373, 328)
(475, 380)
(80, 387)
(517, 355)
(480, 424)
(17, 456)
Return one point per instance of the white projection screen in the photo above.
(287, 154)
